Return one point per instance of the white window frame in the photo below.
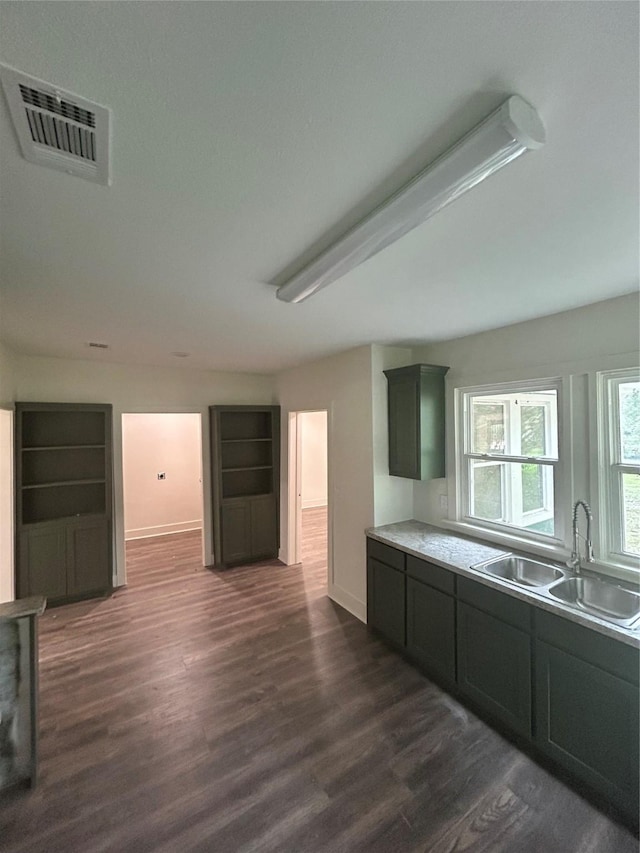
(464, 456)
(611, 468)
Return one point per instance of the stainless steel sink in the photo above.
(599, 598)
(521, 570)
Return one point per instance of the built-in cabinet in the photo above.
(386, 591)
(245, 475)
(63, 500)
(567, 693)
(416, 421)
(494, 654)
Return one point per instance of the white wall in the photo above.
(393, 496)
(601, 336)
(340, 384)
(137, 388)
(161, 443)
(313, 462)
(7, 376)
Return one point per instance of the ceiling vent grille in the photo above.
(58, 129)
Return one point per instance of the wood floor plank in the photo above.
(241, 710)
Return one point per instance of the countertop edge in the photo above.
(33, 606)
(392, 534)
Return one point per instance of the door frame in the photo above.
(294, 508)
(7, 517)
(201, 422)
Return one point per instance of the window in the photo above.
(620, 463)
(510, 459)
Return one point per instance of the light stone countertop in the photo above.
(458, 553)
(33, 606)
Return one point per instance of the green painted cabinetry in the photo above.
(416, 421)
(587, 708)
(386, 592)
(431, 619)
(245, 476)
(494, 654)
(570, 693)
(63, 500)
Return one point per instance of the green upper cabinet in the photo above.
(416, 421)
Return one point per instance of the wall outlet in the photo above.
(444, 503)
(162, 476)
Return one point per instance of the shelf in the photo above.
(63, 500)
(65, 447)
(242, 440)
(237, 498)
(246, 425)
(247, 468)
(74, 517)
(51, 427)
(64, 483)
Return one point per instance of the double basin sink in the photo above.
(586, 594)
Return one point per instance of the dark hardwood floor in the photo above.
(243, 711)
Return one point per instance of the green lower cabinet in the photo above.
(494, 667)
(386, 600)
(587, 721)
(431, 630)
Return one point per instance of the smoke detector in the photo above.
(58, 129)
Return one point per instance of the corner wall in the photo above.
(340, 384)
(7, 377)
(393, 496)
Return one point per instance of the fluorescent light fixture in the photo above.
(505, 134)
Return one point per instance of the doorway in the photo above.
(163, 497)
(309, 510)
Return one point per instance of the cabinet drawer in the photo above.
(435, 576)
(386, 554)
(498, 604)
(608, 654)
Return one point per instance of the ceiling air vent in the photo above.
(58, 129)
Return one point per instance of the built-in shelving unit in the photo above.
(245, 454)
(63, 499)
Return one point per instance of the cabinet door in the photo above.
(404, 428)
(236, 531)
(42, 567)
(386, 601)
(88, 556)
(263, 526)
(587, 720)
(431, 629)
(494, 667)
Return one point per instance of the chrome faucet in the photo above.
(574, 561)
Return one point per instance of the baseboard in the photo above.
(162, 529)
(349, 602)
(311, 504)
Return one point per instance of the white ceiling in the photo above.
(246, 135)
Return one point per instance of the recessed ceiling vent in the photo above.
(58, 129)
